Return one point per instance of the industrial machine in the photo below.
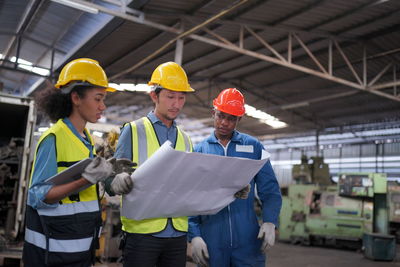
(353, 213)
(394, 208)
(17, 117)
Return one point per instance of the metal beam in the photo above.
(317, 26)
(294, 113)
(347, 62)
(132, 50)
(190, 34)
(265, 43)
(379, 75)
(179, 48)
(180, 35)
(310, 54)
(30, 10)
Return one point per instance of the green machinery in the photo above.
(352, 213)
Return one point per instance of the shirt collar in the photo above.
(154, 119)
(235, 137)
(68, 122)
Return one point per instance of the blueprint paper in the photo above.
(173, 183)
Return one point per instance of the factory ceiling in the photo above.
(312, 64)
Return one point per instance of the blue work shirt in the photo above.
(124, 150)
(46, 166)
(231, 234)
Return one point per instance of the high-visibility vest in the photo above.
(67, 233)
(144, 144)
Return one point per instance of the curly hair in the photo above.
(58, 105)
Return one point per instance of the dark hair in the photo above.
(56, 104)
(158, 90)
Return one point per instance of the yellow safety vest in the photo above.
(67, 233)
(69, 150)
(144, 144)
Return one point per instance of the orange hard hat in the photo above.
(230, 101)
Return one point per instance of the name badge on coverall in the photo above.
(245, 148)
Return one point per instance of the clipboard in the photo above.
(71, 174)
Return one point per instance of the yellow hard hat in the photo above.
(83, 70)
(171, 76)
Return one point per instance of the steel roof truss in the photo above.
(240, 49)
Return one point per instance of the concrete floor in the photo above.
(286, 255)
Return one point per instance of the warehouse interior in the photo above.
(320, 78)
(320, 67)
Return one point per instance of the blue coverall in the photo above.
(231, 234)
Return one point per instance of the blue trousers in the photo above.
(236, 257)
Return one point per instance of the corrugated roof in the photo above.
(306, 102)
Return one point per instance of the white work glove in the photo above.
(243, 193)
(199, 251)
(122, 165)
(267, 234)
(97, 170)
(122, 183)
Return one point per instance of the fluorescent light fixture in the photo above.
(40, 71)
(276, 124)
(98, 134)
(27, 65)
(264, 117)
(77, 5)
(21, 61)
(43, 129)
(103, 119)
(141, 87)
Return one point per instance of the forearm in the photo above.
(271, 209)
(58, 192)
(194, 227)
(269, 193)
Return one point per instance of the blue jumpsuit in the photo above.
(231, 234)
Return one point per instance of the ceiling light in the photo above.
(77, 5)
(98, 134)
(141, 87)
(264, 117)
(275, 123)
(43, 129)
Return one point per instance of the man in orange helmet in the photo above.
(232, 237)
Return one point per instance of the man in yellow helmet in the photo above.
(159, 241)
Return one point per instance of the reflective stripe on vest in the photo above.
(57, 245)
(144, 144)
(70, 209)
(46, 228)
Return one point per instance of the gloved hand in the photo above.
(199, 251)
(122, 165)
(267, 234)
(97, 170)
(122, 183)
(243, 193)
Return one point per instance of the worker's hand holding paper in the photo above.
(172, 183)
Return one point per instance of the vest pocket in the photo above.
(72, 226)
